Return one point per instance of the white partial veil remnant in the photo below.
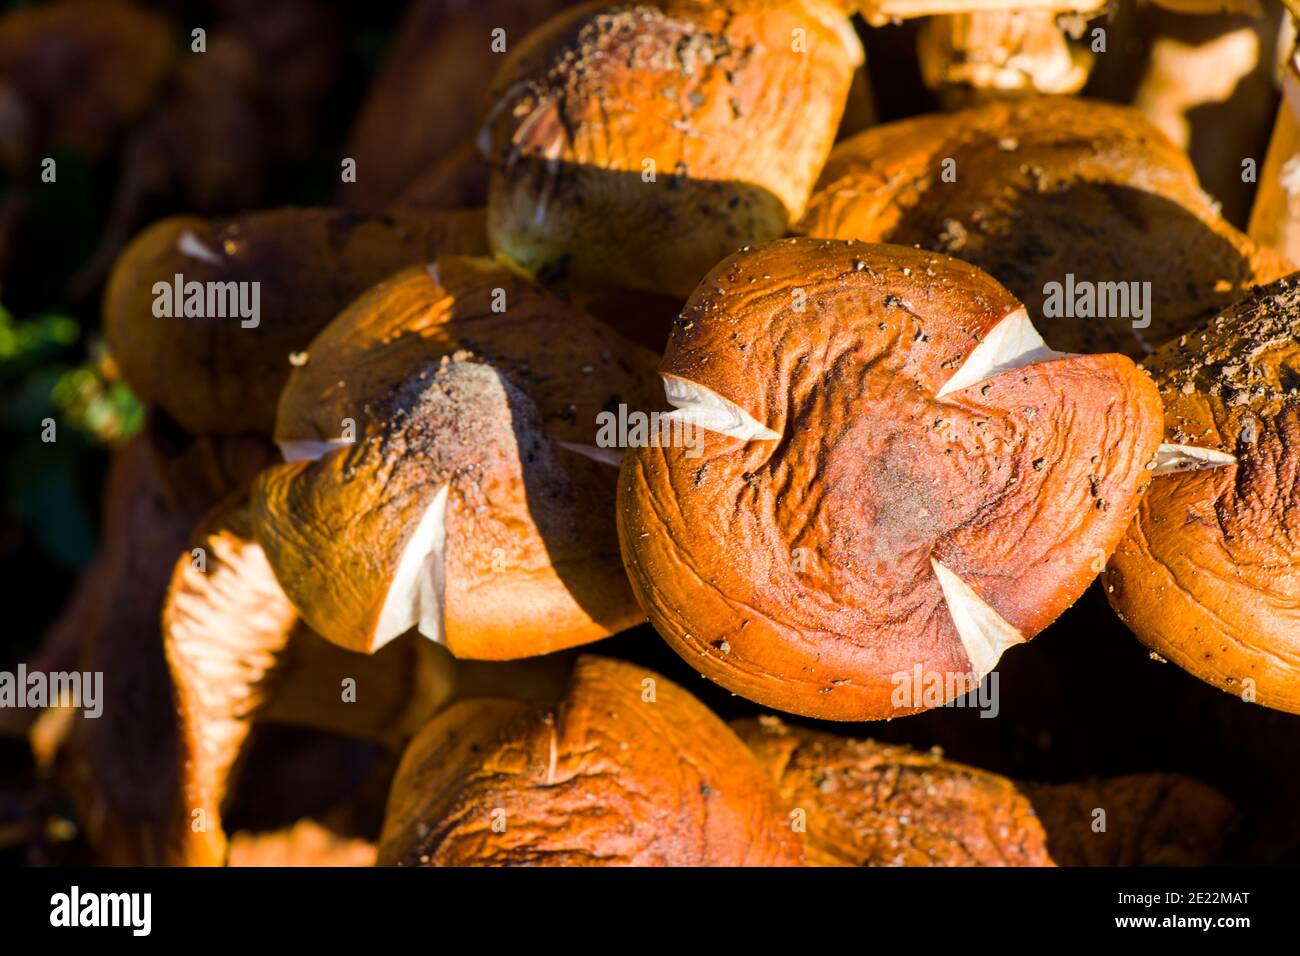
(705, 408)
(1011, 344)
(606, 456)
(415, 596)
(1171, 459)
(190, 245)
(309, 450)
(984, 633)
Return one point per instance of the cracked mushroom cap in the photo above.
(890, 472)
(443, 471)
(628, 769)
(637, 144)
(209, 367)
(1208, 576)
(869, 804)
(1050, 190)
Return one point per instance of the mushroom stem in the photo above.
(880, 12)
(397, 689)
(1275, 218)
(1201, 7)
(974, 55)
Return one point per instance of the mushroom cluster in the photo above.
(484, 513)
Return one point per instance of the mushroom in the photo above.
(440, 64)
(880, 12)
(444, 470)
(179, 155)
(459, 181)
(120, 769)
(225, 623)
(76, 73)
(1207, 83)
(1208, 575)
(239, 655)
(304, 843)
(1077, 207)
(636, 144)
(1275, 216)
(204, 316)
(895, 473)
(1146, 819)
(968, 57)
(626, 769)
(862, 803)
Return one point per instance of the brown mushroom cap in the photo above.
(217, 373)
(460, 181)
(1048, 187)
(870, 804)
(628, 769)
(894, 473)
(439, 65)
(1208, 575)
(79, 72)
(731, 106)
(239, 655)
(1150, 819)
(469, 503)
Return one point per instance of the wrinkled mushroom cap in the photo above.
(224, 372)
(1208, 575)
(470, 502)
(638, 144)
(869, 804)
(865, 803)
(1047, 188)
(239, 656)
(628, 769)
(894, 473)
(1150, 819)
